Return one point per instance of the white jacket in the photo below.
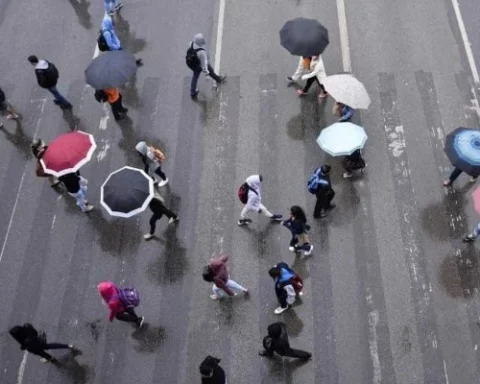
(254, 199)
(317, 68)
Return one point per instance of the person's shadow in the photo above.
(128, 39)
(81, 9)
(128, 141)
(148, 338)
(77, 373)
(281, 369)
(19, 139)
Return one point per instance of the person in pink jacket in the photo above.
(222, 284)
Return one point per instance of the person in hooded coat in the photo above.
(254, 203)
(286, 280)
(297, 224)
(109, 34)
(277, 342)
(211, 372)
(325, 194)
(222, 284)
(34, 342)
(159, 209)
(199, 45)
(118, 310)
(152, 162)
(353, 162)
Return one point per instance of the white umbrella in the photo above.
(342, 139)
(346, 89)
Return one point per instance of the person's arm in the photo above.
(313, 73)
(112, 40)
(221, 284)
(300, 69)
(347, 113)
(202, 56)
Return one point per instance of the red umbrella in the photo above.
(68, 153)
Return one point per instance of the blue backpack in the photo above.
(316, 182)
(129, 297)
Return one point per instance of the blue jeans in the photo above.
(59, 99)
(196, 75)
(110, 5)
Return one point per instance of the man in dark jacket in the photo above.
(325, 193)
(277, 341)
(211, 372)
(47, 77)
(159, 209)
(76, 186)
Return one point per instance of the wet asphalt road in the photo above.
(391, 293)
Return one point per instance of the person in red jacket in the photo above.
(118, 310)
(222, 284)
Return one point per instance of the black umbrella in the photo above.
(304, 37)
(111, 69)
(126, 192)
(462, 147)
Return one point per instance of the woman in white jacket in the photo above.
(317, 73)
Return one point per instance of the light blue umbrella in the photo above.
(462, 147)
(342, 139)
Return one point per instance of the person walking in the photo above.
(121, 302)
(152, 159)
(316, 74)
(343, 111)
(38, 148)
(211, 372)
(277, 342)
(319, 184)
(47, 77)
(302, 68)
(216, 272)
(470, 238)
(454, 176)
(6, 107)
(114, 98)
(287, 285)
(111, 39)
(36, 342)
(353, 162)
(297, 224)
(254, 201)
(111, 6)
(76, 186)
(158, 208)
(197, 60)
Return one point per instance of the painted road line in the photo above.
(218, 44)
(21, 369)
(345, 45)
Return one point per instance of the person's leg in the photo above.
(244, 220)
(472, 236)
(213, 75)
(127, 316)
(44, 355)
(56, 346)
(453, 176)
(308, 84)
(81, 202)
(297, 353)
(12, 114)
(265, 211)
(217, 293)
(121, 107)
(318, 207)
(153, 221)
(330, 196)
(234, 286)
(193, 84)
(160, 173)
(59, 99)
(282, 300)
(116, 114)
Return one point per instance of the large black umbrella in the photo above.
(126, 192)
(304, 37)
(462, 147)
(111, 69)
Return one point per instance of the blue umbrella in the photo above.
(463, 150)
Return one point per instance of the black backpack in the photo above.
(52, 71)
(192, 60)
(208, 274)
(100, 96)
(102, 42)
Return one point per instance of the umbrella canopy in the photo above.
(476, 199)
(342, 139)
(346, 89)
(126, 192)
(68, 153)
(304, 37)
(463, 150)
(111, 69)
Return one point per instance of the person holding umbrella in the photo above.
(302, 68)
(353, 162)
(38, 150)
(159, 209)
(114, 98)
(317, 74)
(76, 187)
(343, 111)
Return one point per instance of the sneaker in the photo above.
(66, 106)
(323, 214)
(242, 222)
(142, 320)
(291, 249)
(118, 6)
(332, 205)
(300, 293)
(139, 62)
(469, 239)
(194, 94)
(214, 297)
(88, 208)
(13, 116)
(279, 310)
(290, 79)
(173, 220)
(147, 236)
(347, 175)
(246, 292)
(163, 183)
(300, 93)
(323, 95)
(447, 183)
(308, 253)
(473, 179)
(276, 218)
(1, 125)
(222, 79)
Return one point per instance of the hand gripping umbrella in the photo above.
(342, 139)
(68, 153)
(126, 192)
(462, 147)
(346, 89)
(304, 37)
(111, 69)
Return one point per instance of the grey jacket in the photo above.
(199, 42)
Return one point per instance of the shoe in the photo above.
(469, 239)
(308, 357)
(309, 252)
(121, 117)
(473, 179)
(214, 297)
(323, 214)
(194, 94)
(300, 293)
(147, 236)
(279, 310)
(222, 79)
(66, 106)
(347, 175)
(55, 184)
(163, 183)
(139, 62)
(142, 320)
(111, 13)
(276, 218)
(291, 249)
(447, 183)
(246, 292)
(88, 208)
(118, 6)
(300, 93)
(290, 79)
(332, 205)
(1, 125)
(242, 222)
(173, 220)
(265, 354)
(323, 95)
(13, 116)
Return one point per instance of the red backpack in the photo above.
(243, 192)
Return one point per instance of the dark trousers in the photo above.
(309, 83)
(454, 175)
(118, 109)
(196, 75)
(160, 173)
(45, 355)
(128, 316)
(281, 297)
(158, 215)
(323, 201)
(299, 354)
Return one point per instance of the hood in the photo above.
(42, 64)
(107, 23)
(275, 330)
(254, 181)
(107, 289)
(199, 40)
(142, 147)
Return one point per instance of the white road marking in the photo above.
(96, 52)
(21, 369)
(218, 44)
(345, 45)
(445, 371)
(28, 164)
